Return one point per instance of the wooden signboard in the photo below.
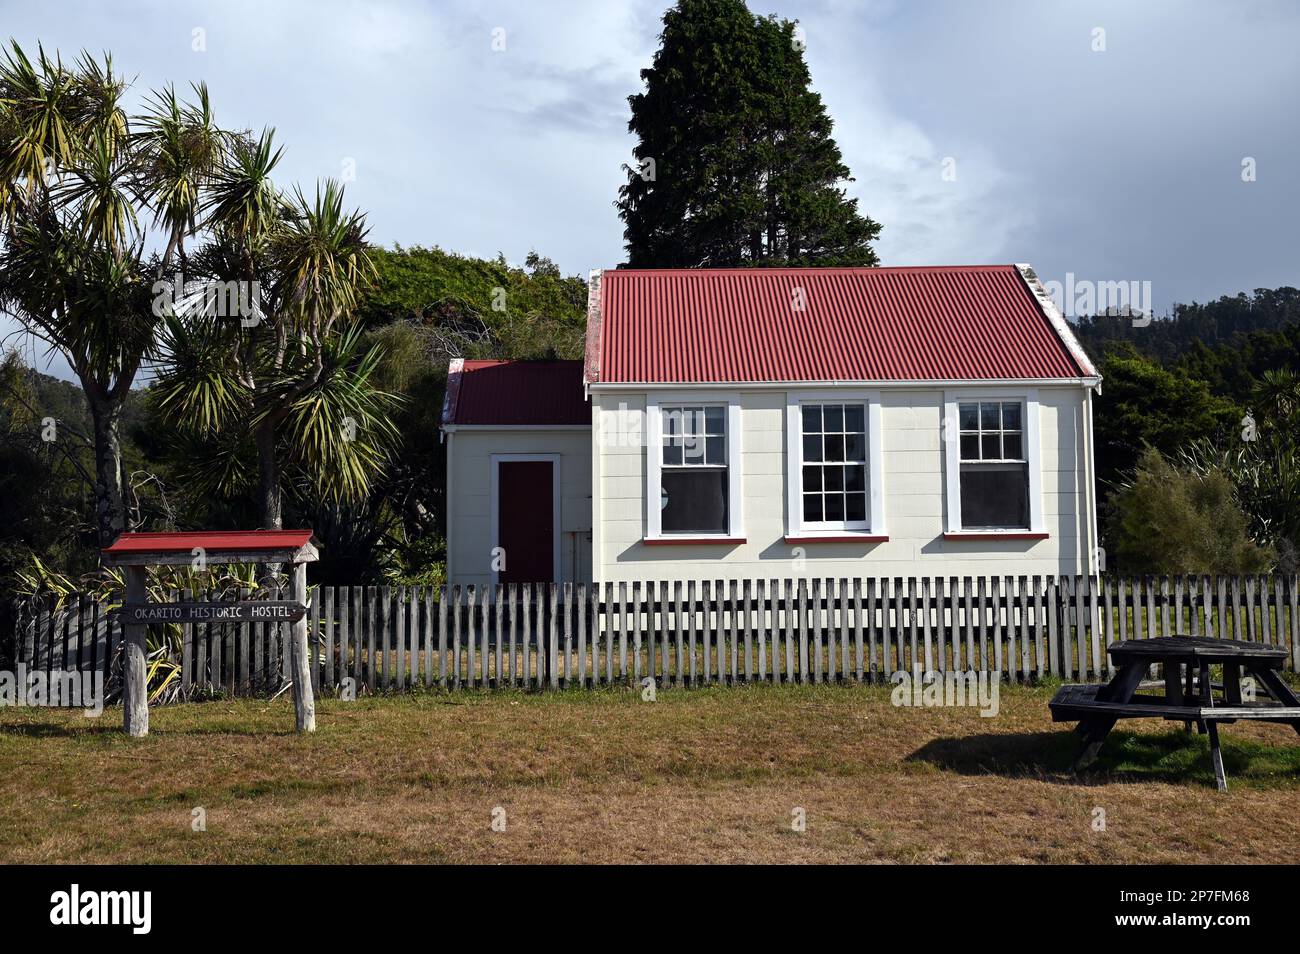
(249, 611)
(134, 552)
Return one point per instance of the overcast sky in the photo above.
(1119, 164)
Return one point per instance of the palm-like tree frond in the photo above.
(322, 260)
(179, 147)
(243, 198)
(198, 388)
(339, 431)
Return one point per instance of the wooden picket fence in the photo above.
(681, 633)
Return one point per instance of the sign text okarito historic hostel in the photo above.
(251, 611)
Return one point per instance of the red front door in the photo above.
(526, 520)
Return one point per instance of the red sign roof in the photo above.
(211, 542)
(745, 325)
(523, 393)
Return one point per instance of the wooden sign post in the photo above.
(134, 552)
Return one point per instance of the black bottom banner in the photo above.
(344, 903)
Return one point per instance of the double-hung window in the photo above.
(693, 479)
(993, 466)
(834, 464)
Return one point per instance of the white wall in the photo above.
(914, 504)
(469, 500)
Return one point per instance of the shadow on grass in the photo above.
(52, 730)
(1171, 756)
(100, 729)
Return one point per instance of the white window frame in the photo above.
(654, 462)
(951, 438)
(795, 525)
(494, 480)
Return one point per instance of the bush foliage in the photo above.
(1172, 520)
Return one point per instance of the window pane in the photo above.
(855, 478)
(833, 417)
(692, 449)
(672, 420)
(990, 447)
(990, 419)
(854, 419)
(855, 447)
(834, 506)
(696, 501)
(812, 478)
(1011, 447)
(715, 451)
(856, 508)
(834, 477)
(693, 420)
(672, 451)
(812, 507)
(969, 416)
(970, 447)
(1011, 416)
(995, 496)
(715, 420)
(812, 418)
(812, 447)
(834, 446)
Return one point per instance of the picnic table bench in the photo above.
(1189, 696)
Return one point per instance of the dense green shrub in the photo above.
(1171, 520)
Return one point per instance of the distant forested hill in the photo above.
(479, 308)
(1188, 376)
(1220, 342)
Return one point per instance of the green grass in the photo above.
(704, 774)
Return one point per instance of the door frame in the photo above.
(554, 459)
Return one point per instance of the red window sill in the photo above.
(840, 538)
(692, 541)
(996, 536)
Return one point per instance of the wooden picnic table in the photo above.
(1189, 695)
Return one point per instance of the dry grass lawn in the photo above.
(705, 775)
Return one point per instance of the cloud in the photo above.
(1123, 164)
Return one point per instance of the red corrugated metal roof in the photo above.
(524, 393)
(943, 323)
(213, 542)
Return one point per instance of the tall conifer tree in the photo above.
(735, 163)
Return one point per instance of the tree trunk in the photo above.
(110, 508)
(269, 497)
(268, 477)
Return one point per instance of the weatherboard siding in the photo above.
(469, 510)
(914, 498)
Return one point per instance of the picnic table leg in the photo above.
(1207, 701)
(1278, 689)
(1175, 694)
(1231, 684)
(1094, 730)
(1173, 683)
(1216, 757)
(1094, 737)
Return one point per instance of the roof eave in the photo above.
(1057, 321)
